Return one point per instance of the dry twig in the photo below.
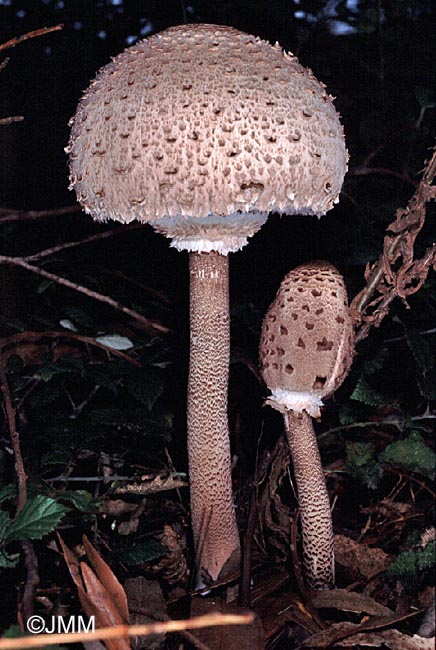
(8, 215)
(25, 37)
(73, 244)
(12, 43)
(124, 631)
(15, 437)
(32, 579)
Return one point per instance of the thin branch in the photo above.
(25, 37)
(7, 215)
(146, 323)
(363, 170)
(125, 631)
(396, 422)
(27, 336)
(32, 579)
(411, 478)
(404, 337)
(15, 437)
(73, 244)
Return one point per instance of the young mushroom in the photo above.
(201, 131)
(306, 350)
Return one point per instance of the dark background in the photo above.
(377, 58)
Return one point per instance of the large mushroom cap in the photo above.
(202, 122)
(307, 339)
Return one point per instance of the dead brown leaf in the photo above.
(337, 634)
(392, 639)
(368, 561)
(108, 579)
(172, 567)
(105, 603)
(117, 507)
(349, 601)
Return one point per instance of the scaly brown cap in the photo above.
(202, 130)
(307, 341)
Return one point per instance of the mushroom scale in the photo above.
(306, 350)
(205, 122)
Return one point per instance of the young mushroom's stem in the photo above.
(313, 501)
(213, 518)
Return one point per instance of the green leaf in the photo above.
(14, 324)
(43, 286)
(364, 391)
(56, 457)
(4, 523)
(404, 567)
(146, 389)
(15, 364)
(375, 362)
(409, 565)
(15, 632)
(46, 374)
(45, 393)
(426, 557)
(39, 516)
(150, 550)
(361, 464)
(8, 491)
(366, 394)
(346, 414)
(425, 97)
(411, 453)
(423, 355)
(359, 453)
(79, 499)
(79, 317)
(8, 561)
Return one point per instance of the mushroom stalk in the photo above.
(313, 501)
(214, 526)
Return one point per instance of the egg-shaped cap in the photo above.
(205, 122)
(307, 340)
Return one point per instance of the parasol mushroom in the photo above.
(306, 350)
(201, 131)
